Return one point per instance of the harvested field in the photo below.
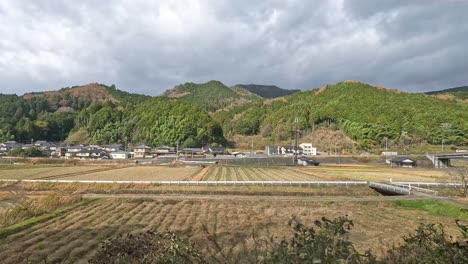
(378, 173)
(10, 191)
(224, 173)
(75, 236)
(22, 172)
(381, 173)
(140, 173)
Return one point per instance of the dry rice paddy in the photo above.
(75, 236)
(378, 173)
(222, 173)
(381, 173)
(140, 173)
(21, 172)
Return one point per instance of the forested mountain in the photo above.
(460, 93)
(267, 91)
(194, 114)
(367, 114)
(52, 115)
(211, 96)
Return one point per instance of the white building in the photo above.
(119, 155)
(308, 150)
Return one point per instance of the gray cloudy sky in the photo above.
(150, 46)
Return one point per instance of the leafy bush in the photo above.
(30, 152)
(430, 244)
(327, 242)
(148, 247)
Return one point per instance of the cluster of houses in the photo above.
(303, 149)
(112, 151)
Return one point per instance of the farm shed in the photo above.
(403, 162)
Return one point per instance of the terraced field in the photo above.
(74, 237)
(224, 173)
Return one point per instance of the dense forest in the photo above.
(460, 93)
(267, 91)
(195, 114)
(367, 114)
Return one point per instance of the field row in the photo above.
(376, 173)
(105, 173)
(384, 174)
(256, 174)
(75, 236)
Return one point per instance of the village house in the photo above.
(290, 150)
(27, 146)
(91, 154)
(272, 150)
(192, 152)
(308, 149)
(142, 152)
(45, 146)
(69, 152)
(165, 150)
(113, 147)
(210, 150)
(9, 145)
(92, 147)
(119, 155)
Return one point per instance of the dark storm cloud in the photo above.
(148, 47)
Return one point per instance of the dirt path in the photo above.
(199, 175)
(258, 197)
(81, 172)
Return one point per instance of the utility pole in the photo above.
(296, 121)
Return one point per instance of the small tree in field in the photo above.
(460, 175)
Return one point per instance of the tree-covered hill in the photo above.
(155, 121)
(367, 114)
(52, 115)
(211, 96)
(267, 91)
(460, 93)
(79, 97)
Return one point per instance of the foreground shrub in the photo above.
(327, 242)
(148, 247)
(430, 244)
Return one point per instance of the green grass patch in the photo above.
(5, 232)
(436, 207)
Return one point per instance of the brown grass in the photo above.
(76, 236)
(25, 189)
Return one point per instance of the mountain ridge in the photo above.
(365, 113)
(267, 91)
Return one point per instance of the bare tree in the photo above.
(460, 175)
